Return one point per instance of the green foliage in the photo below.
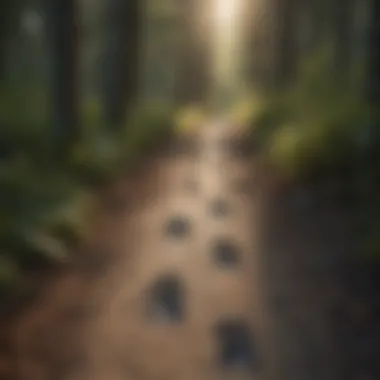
(189, 119)
(27, 199)
(371, 246)
(45, 205)
(314, 126)
(271, 113)
(321, 130)
(10, 278)
(23, 122)
(245, 109)
(45, 210)
(147, 126)
(95, 160)
(30, 190)
(92, 117)
(103, 156)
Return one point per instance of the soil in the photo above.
(308, 314)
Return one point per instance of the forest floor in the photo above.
(204, 218)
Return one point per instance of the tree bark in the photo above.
(315, 17)
(8, 18)
(373, 81)
(342, 33)
(3, 37)
(257, 31)
(62, 31)
(194, 55)
(286, 55)
(121, 62)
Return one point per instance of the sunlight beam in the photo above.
(226, 18)
(225, 10)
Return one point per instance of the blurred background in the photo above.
(92, 89)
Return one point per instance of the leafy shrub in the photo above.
(92, 118)
(26, 198)
(95, 161)
(23, 122)
(147, 126)
(269, 116)
(102, 155)
(245, 110)
(188, 119)
(314, 126)
(322, 129)
(10, 278)
(45, 211)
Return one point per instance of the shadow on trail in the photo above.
(324, 301)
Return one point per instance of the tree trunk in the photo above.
(62, 31)
(8, 19)
(257, 30)
(286, 55)
(315, 19)
(3, 38)
(373, 83)
(194, 55)
(121, 59)
(342, 20)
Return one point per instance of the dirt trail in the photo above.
(196, 224)
(201, 232)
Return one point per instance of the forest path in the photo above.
(194, 234)
(193, 264)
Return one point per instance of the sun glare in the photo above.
(226, 16)
(225, 10)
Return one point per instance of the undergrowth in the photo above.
(46, 210)
(321, 131)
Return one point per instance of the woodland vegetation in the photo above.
(88, 87)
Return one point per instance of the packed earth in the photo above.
(197, 268)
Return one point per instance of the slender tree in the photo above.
(317, 20)
(3, 34)
(194, 53)
(121, 58)
(373, 82)
(256, 38)
(10, 11)
(62, 26)
(342, 20)
(286, 54)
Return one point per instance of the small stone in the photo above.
(226, 253)
(165, 300)
(237, 348)
(177, 227)
(219, 208)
